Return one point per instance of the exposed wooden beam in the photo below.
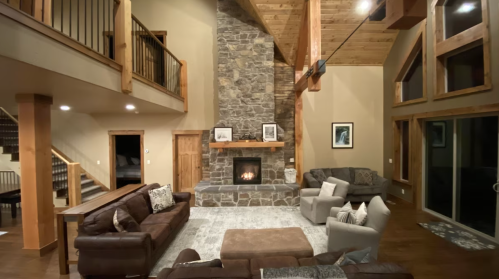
(301, 51)
(314, 42)
(405, 14)
(252, 9)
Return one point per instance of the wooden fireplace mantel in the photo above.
(229, 144)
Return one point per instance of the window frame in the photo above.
(443, 48)
(397, 149)
(418, 44)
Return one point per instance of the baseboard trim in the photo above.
(42, 251)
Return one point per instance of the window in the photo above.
(462, 50)
(402, 150)
(410, 83)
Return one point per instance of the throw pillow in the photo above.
(346, 215)
(123, 222)
(161, 198)
(201, 263)
(356, 257)
(327, 189)
(319, 175)
(363, 177)
(121, 161)
(135, 161)
(361, 215)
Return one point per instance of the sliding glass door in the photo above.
(462, 170)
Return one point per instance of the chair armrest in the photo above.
(115, 241)
(342, 235)
(187, 255)
(310, 192)
(311, 181)
(324, 204)
(182, 197)
(334, 211)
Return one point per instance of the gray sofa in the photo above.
(356, 193)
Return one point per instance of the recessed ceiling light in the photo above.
(466, 8)
(130, 107)
(364, 6)
(65, 108)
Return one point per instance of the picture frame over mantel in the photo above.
(342, 135)
(222, 134)
(269, 132)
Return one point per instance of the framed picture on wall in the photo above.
(438, 132)
(342, 135)
(223, 134)
(269, 132)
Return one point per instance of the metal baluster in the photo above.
(92, 23)
(98, 25)
(43, 11)
(134, 56)
(70, 15)
(62, 16)
(78, 20)
(86, 6)
(52, 14)
(103, 23)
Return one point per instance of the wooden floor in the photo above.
(423, 253)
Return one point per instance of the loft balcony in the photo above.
(92, 55)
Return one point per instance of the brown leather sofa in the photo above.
(250, 269)
(103, 252)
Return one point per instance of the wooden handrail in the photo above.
(9, 115)
(155, 38)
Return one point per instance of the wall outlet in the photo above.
(390, 160)
(148, 162)
(98, 162)
(292, 160)
(403, 191)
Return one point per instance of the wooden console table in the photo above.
(77, 214)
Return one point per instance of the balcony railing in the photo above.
(152, 60)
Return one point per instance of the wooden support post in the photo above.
(35, 155)
(183, 84)
(74, 184)
(62, 235)
(314, 42)
(299, 137)
(42, 11)
(123, 45)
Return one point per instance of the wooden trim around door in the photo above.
(112, 154)
(174, 147)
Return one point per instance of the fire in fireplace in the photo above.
(247, 170)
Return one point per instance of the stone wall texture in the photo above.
(246, 92)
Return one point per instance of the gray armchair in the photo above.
(316, 208)
(342, 235)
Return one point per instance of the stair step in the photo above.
(88, 191)
(86, 181)
(94, 196)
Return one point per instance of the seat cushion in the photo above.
(137, 206)
(159, 233)
(272, 262)
(342, 174)
(307, 262)
(144, 191)
(364, 190)
(171, 216)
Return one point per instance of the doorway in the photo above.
(461, 172)
(126, 158)
(187, 160)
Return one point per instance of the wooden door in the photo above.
(188, 165)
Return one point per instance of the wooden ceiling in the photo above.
(370, 45)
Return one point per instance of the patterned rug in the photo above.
(206, 228)
(458, 236)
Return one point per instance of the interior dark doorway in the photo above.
(126, 158)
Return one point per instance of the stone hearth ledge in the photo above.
(246, 195)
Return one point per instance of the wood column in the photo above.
(35, 143)
(299, 137)
(123, 44)
(183, 84)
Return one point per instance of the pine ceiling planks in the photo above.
(370, 45)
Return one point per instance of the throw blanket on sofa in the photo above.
(304, 272)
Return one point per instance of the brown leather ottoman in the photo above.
(251, 244)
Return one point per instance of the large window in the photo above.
(410, 83)
(462, 50)
(402, 150)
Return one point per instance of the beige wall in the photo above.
(391, 68)
(191, 27)
(349, 94)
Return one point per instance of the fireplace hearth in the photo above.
(247, 170)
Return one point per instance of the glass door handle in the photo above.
(495, 187)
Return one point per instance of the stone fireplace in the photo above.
(247, 170)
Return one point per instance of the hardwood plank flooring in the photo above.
(404, 242)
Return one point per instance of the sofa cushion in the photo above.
(363, 177)
(144, 191)
(319, 175)
(159, 233)
(101, 221)
(364, 190)
(307, 262)
(342, 173)
(272, 262)
(352, 173)
(327, 172)
(172, 218)
(137, 206)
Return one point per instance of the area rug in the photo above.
(206, 228)
(458, 236)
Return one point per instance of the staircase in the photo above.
(9, 142)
